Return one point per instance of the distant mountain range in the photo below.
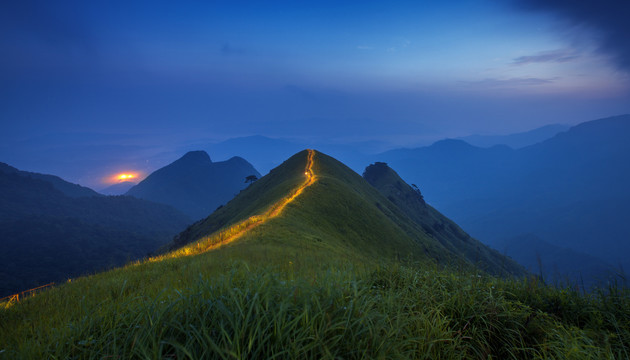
(570, 191)
(266, 153)
(558, 265)
(118, 188)
(194, 184)
(51, 230)
(517, 140)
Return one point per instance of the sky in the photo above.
(89, 88)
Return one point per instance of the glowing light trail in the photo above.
(236, 231)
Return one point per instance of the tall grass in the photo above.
(341, 311)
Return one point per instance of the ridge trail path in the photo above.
(237, 230)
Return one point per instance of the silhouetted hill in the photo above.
(448, 169)
(265, 153)
(69, 189)
(342, 213)
(570, 190)
(518, 140)
(46, 235)
(194, 184)
(118, 188)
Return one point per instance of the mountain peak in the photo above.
(380, 172)
(194, 184)
(198, 156)
(452, 144)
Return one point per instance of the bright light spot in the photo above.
(133, 176)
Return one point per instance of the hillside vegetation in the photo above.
(335, 274)
(48, 236)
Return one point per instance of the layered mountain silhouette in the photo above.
(562, 266)
(342, 215)
(517, 140)
(118, 188)
(194, 184)
(314, 261)
(569, 191)
(266, 153)
(49, 232)
(68, 189)
(263, 152)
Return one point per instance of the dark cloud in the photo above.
(558, 56)
(608, 17)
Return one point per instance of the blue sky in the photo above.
(151, 76)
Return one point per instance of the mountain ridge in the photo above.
(338, 273)
(332, 189)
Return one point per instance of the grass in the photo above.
(337, 310)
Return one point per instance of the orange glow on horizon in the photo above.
(123, 176)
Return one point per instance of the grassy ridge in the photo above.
(323, 280)
(254, 200)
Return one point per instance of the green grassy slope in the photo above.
(320, 281)
(252, 201)
(338, 214)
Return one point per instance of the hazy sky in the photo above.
(146, 77)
